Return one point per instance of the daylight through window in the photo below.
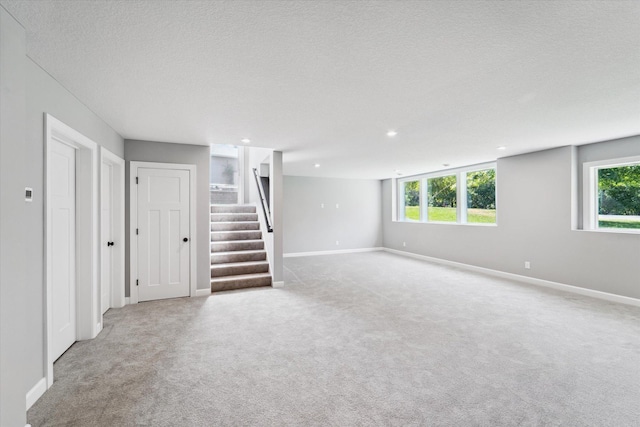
(617, 196)
(442, 198)
(412, 200)
(481, 196)
(463, 196)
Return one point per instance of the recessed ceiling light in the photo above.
(245, 140)
(317, 165)
(502, 147)
(446, 165)
(392, 133)
(397, 172)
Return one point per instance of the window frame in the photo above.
(425, 208)
(590, 207)
(461, 194)
(400, 201)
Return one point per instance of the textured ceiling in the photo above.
(323, 81)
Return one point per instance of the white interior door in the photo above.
(63, 246)
(163, 233)
(107, 238)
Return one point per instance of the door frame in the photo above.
(133, 223)
(117, 225)
(88, 315)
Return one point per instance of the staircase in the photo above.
(238, 257)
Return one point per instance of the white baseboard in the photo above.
(203, 292)
(277, 284)
(127, 300)
(36, 392)
(530, 280)
(342, 251)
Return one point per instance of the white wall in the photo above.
(536, 210)
(45, 95)
(147, 151)
(253, 158)
(356, 223)
(256, 157)
(28, 92)
(276, 194)
(15, 222)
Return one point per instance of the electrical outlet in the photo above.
(337, 243)
(527, 265)
(322, 205)
(337, 206)
(404, 243)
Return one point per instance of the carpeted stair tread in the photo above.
(235, 226)
(238, 256)
(219, 236)
(237, 268)
(240, 263)
(228, 283)
(249, 251)
(233, 209)
(227, 217)
(237, 245)
(241, 276)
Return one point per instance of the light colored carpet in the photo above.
(357, 340)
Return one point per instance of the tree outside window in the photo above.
(619, 197)
(442, 198)
(481, 196)
(412, 200)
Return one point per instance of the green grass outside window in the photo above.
(479, 216)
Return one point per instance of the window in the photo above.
(463, 196)
(442, 199)
(612, 194)
(224, 178)
(412, 200)
(481, 196)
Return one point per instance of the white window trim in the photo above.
(590, 191)
(400, 199)
(461, 194)
(394, 199)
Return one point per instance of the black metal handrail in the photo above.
(263, 202)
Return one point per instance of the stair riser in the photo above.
(236, 246)
(233, 217)
(240, 284)
(240, 257)
(236, 235)
(233, 209)
(235, 270)
(233, 226)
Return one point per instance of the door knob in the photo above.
(185, 239)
